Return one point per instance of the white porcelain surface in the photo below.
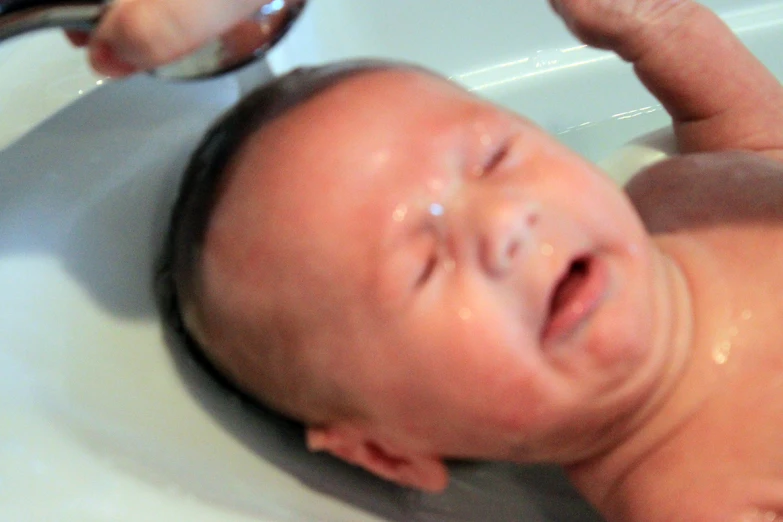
(102, 421)
(39, 74)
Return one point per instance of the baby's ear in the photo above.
(387, 460)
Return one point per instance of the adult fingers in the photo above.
(719, 95)
(623, 26)
(143, 34)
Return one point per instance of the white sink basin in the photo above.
(102, 421)
(40, 74)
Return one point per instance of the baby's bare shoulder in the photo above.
(709, 188)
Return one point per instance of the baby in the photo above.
(418, 275)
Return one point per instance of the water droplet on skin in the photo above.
(747, 315)
(436, 209)
(399, 213)
(722, 349)
(547, 250)
(721, 352)
(733, 331)
(761, 516)
(466, 314)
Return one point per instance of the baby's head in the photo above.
(414, 273)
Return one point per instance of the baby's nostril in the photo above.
(506, 236)
(512, 249)
(532, 217)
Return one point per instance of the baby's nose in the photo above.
(506, 235)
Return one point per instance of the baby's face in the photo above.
(485, 291)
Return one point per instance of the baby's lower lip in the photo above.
(581, 302)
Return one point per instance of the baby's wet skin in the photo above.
(718, 215)
(481, 292)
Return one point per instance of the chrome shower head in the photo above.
(243, 43)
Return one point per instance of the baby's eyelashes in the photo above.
(496, 158)
(427, 270)
(493, 153)
(423, 251)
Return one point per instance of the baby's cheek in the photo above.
(619, 344)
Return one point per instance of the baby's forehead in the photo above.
(363, 143)
(370, 101)
(329, 162)
(396, 111)
(346, 130)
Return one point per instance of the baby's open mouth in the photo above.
(575, 296)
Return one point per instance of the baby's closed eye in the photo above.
(496, 157)
(427, 269)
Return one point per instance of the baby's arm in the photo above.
(718, 94)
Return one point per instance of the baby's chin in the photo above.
(612, 316)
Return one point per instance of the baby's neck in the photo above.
(678, 329)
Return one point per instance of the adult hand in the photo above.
(718, 94)
(142, 34)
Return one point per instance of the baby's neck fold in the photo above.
(601, 476)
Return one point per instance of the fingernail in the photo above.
(105, 61)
